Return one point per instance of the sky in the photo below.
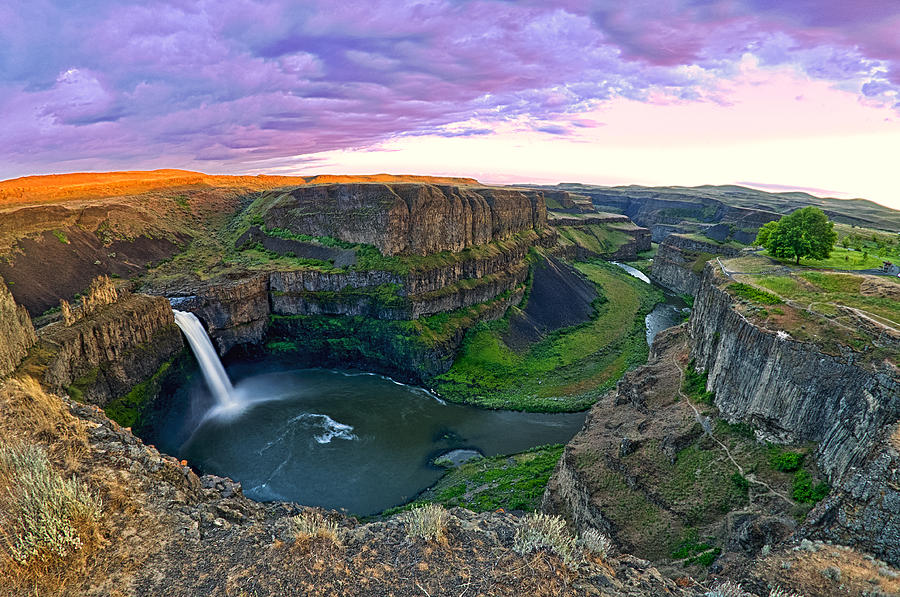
(774, 94)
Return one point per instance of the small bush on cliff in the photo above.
(596, 542)
(807, 492)
(695, 385)
(785, 460)
(42, 514)
(428, 522)
(544, 531)
(312, 525)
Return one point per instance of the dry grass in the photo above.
(428, 522)
(541, 531)
(312, 525)
(31, 412)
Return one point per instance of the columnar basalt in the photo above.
(103, 356)
(679, 262)
(793, 391)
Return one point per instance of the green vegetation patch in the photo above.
(694, 385)
(806, 491)
(839, 258)
(61, 236)
(753, 294)
(569, 369)
(510, 482)
(600, 239)
(127, 410)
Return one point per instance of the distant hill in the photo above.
(94, 185)
(708, 199)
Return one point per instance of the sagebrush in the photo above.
(544, 531)
(312, 525)
(41, 512)
(428, 521)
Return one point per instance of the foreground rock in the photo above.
(16, 331)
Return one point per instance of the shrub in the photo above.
(779, 592)
(785, 460)
(544, 531)
(753, 294)
(40, 511)
(428, 521)
(312, 525)
(805, 491)
(595, 542)
(728, 589)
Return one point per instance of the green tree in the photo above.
(805, 233)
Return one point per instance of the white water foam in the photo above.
(210, 365)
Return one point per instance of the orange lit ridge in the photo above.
(55, 187)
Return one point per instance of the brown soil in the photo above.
(45, 269)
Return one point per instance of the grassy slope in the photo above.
(597, 238)
(840, 259)
(510, 482)
(568, 370)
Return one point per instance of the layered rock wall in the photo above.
(16, 331)
(104, 356)
(678, 264)
(417, 219)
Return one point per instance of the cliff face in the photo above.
(103, 357)
(416, 219)
(16, 332)
(791, 390)
(234, 311)
(679, 262)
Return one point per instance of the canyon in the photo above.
(403, 276)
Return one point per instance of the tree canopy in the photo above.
(805, 233)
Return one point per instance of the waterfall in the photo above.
(210, 365)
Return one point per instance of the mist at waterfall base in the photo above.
(335, 439)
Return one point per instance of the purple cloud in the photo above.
(229, 83)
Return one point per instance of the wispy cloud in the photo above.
(231, 82)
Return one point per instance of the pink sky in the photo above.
(780, 93)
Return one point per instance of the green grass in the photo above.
(61, 236)
(821, 290)
(511, 482)
(694, 385)
(126, 410)
(566, 371)
(840, 258)
(753, 294)
(600, 239)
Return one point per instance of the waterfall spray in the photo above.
(210, 365)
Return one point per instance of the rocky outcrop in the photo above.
(236, 310)
(102, 357)
(679, 262)
(646, 469)
(16, 332)
(415, 219)
(792, 391)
